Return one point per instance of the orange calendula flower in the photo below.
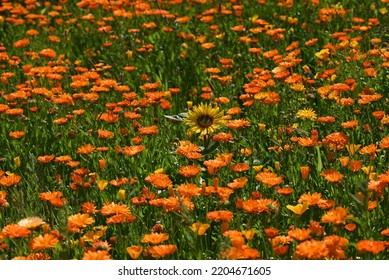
(299, 234)
(43, 242)
(86, 149)
(223, 137)
(133, 150)
(46, 158)
(238, 183)
(384, 144)
(96, 255)
(15, 231)
(336, 216)
(258, 206)
(189, 171)
(371, 246)
(78, 221)
(115, 209)
(240, 167)
(55, 198)
(332, 175)
(188, 190)
(155, 238)
(312, 250)
(134, 251)
(369, 150)
(10, 180)
(221, 215)
(148, 130)
(17, 134)
(336, 246)
(213, 165)
(237, 124)
(269, 179)
(160, 251)
(159, 180)
(189, 150)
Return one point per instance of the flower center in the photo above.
(204, 121)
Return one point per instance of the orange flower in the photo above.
(312, 250)
(371, 246)
(63, 159)
(46, 158)
(336, 140)
(336, 216)
(148, 130)
(304, 172)
(96, 255)
(336, 246)
(21, 43)
(133, 150)
(332, 175)
(240, 167)
(104, 134)
(86, 149)
(43, 242)
(299, 234)
(369, 150)
(223, 137)
(17, 134)
(160, 251)
(213, 165)
(15, 231)
(115, 209)
(188, 190)
(238, 183)
(350, 124)
(134, 251)
(269, 179)
(10, 180)
(385, 232)
(189, 150)
(221, 215)
(189, 171)
(311, 199)
(78, 221)
(384, 144)
(3, 201)
(159, 180)
(236, 124)
(155, 238)
(54, 198)
(258, 206)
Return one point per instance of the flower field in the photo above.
(194, 129)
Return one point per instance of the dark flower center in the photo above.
(205, 121)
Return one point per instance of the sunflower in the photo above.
(204, 119)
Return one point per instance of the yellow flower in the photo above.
(17, 161)
(306, 114)
(299, 209)
(204, 119)
(324, 53)
(102, 184)
(122, 195)
(199, 228)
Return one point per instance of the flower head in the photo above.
(204, 119)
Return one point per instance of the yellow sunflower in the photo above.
(204, 119)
